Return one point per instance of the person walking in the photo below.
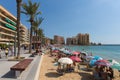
(0, 53)
(6, 52)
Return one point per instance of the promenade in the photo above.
(31, 73)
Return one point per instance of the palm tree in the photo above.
(36, 24)
(31, 9)
(18, 25)
(40, 34)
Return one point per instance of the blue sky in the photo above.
(99, 18)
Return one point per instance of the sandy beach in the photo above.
(48, 72)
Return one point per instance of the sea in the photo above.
(104, 51)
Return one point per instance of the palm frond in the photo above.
(24, 12)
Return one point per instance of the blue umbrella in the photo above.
(97, 58)
(92, 62)
(88, 58)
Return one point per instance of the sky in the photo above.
(99, 18)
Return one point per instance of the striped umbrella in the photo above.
(102, 62)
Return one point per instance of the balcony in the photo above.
(11, 22)
(10, 27)
(2, 27)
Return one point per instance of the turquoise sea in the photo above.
(105, 51)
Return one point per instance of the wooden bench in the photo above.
(21, 66)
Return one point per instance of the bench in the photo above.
(21, 66)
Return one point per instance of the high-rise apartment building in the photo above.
(69, 41)
(24, 35)
(80, 39)
(59, 39)
(8, 28)
(83, 39)
(75, 40)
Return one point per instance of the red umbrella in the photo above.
(55, 51)
(76, 52)
(102, 63)
(75, 58)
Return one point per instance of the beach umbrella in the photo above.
(102, 63)
(75, 58)
(88, 58)
(62, 49)
(55, 51)
(53, 48)
(75, 52)
(67, 52)
(97, 58)
(114, 64)
(92, 62)
(84, 53)
(112, 61)
(65, 60)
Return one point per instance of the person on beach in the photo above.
(110, 73)
(6, 52)
(104, 73)
(51, 51)
(96, 72)
(59, 69)
(59, 66)
(119, 72)
(78, 66)
(0, 52)
(11, 51)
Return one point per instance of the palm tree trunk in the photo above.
(37, 39)
(18, 25)
(31, 30)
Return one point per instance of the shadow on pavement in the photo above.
(9, 74)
